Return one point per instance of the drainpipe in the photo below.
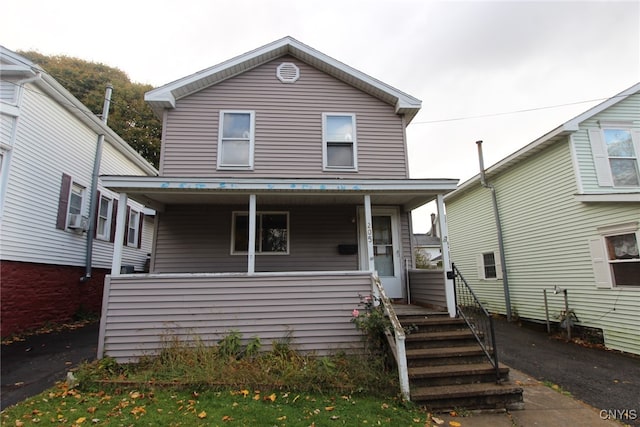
(496, 212)
(94, 188)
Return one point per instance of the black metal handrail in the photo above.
(477, 317)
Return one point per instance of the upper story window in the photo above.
(272, 233)
(623, 158)
(616, 150)
(236, 140)
(339, 142)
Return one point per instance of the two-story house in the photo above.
(283, 186)
(51, 267)
(569, 210)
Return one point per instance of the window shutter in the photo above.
(126, 227)
(600, 264)
(63, 202)
(140, 222)
(496, 257)
(480, 266)
(114, 216)
(600, 158)
(97, 213)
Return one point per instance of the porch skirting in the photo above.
(312, 310)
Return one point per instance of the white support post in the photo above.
(403, 369)
(251, 267)
(369, 230)
(118, 242)
(446, 258)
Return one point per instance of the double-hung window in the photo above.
(236, 140)
(615, 255)
(489, 267)
(103, 226)
(616, 153)
(272, 233)
(339, 142)
(133, 227)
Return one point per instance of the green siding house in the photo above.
(569, 210)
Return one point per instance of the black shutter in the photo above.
(63, 202)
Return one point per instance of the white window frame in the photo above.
(602, 265)
(251, 139)
(259, 215)
(481, 266)
(106, 234)
(133, 213)
(80, 191)
(601, 153)
(325, 142)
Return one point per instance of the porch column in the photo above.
(446, 259)
(118, 241)
(369, 227)
(251, 260)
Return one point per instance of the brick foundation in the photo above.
(33, 295)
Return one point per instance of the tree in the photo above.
(129, 116)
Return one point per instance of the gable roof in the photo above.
(167, 95)
(17, 66)
(544, 141)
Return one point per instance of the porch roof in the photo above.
(156, 192)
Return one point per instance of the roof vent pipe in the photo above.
(496, 213)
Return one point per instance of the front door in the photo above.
(386, 249)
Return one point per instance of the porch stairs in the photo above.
(448, 369)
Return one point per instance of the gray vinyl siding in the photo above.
(627, 110)
(427, 288)
(288, 126)
(197, 238)
(141, 312)
(546, 238)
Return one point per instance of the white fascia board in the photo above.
(133, 183)
(165, 96)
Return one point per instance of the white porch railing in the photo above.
(396, 339)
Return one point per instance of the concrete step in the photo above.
(429, 376)
(469, 396)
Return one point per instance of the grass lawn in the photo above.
(227, 384)
(164, 407)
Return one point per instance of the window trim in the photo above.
(235, 214)
(325, 141)
(482, 267)
(73, 184)
(106, 235)
(136, 229)
(604, 173)
(603, 266)
(252, 117)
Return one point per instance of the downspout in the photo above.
(94, 188)
(496, 212)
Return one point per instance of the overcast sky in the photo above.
(476, 65)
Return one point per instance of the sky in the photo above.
(504, 72)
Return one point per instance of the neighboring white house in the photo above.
(48, 147)
(569, 207)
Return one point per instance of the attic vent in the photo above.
(288, 72)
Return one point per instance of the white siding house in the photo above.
(48, 147)
(569, 205)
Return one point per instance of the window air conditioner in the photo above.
(78, 222)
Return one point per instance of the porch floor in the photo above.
(416, 310)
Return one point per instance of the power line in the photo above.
(504, 113)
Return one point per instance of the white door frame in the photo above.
(392, 284)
